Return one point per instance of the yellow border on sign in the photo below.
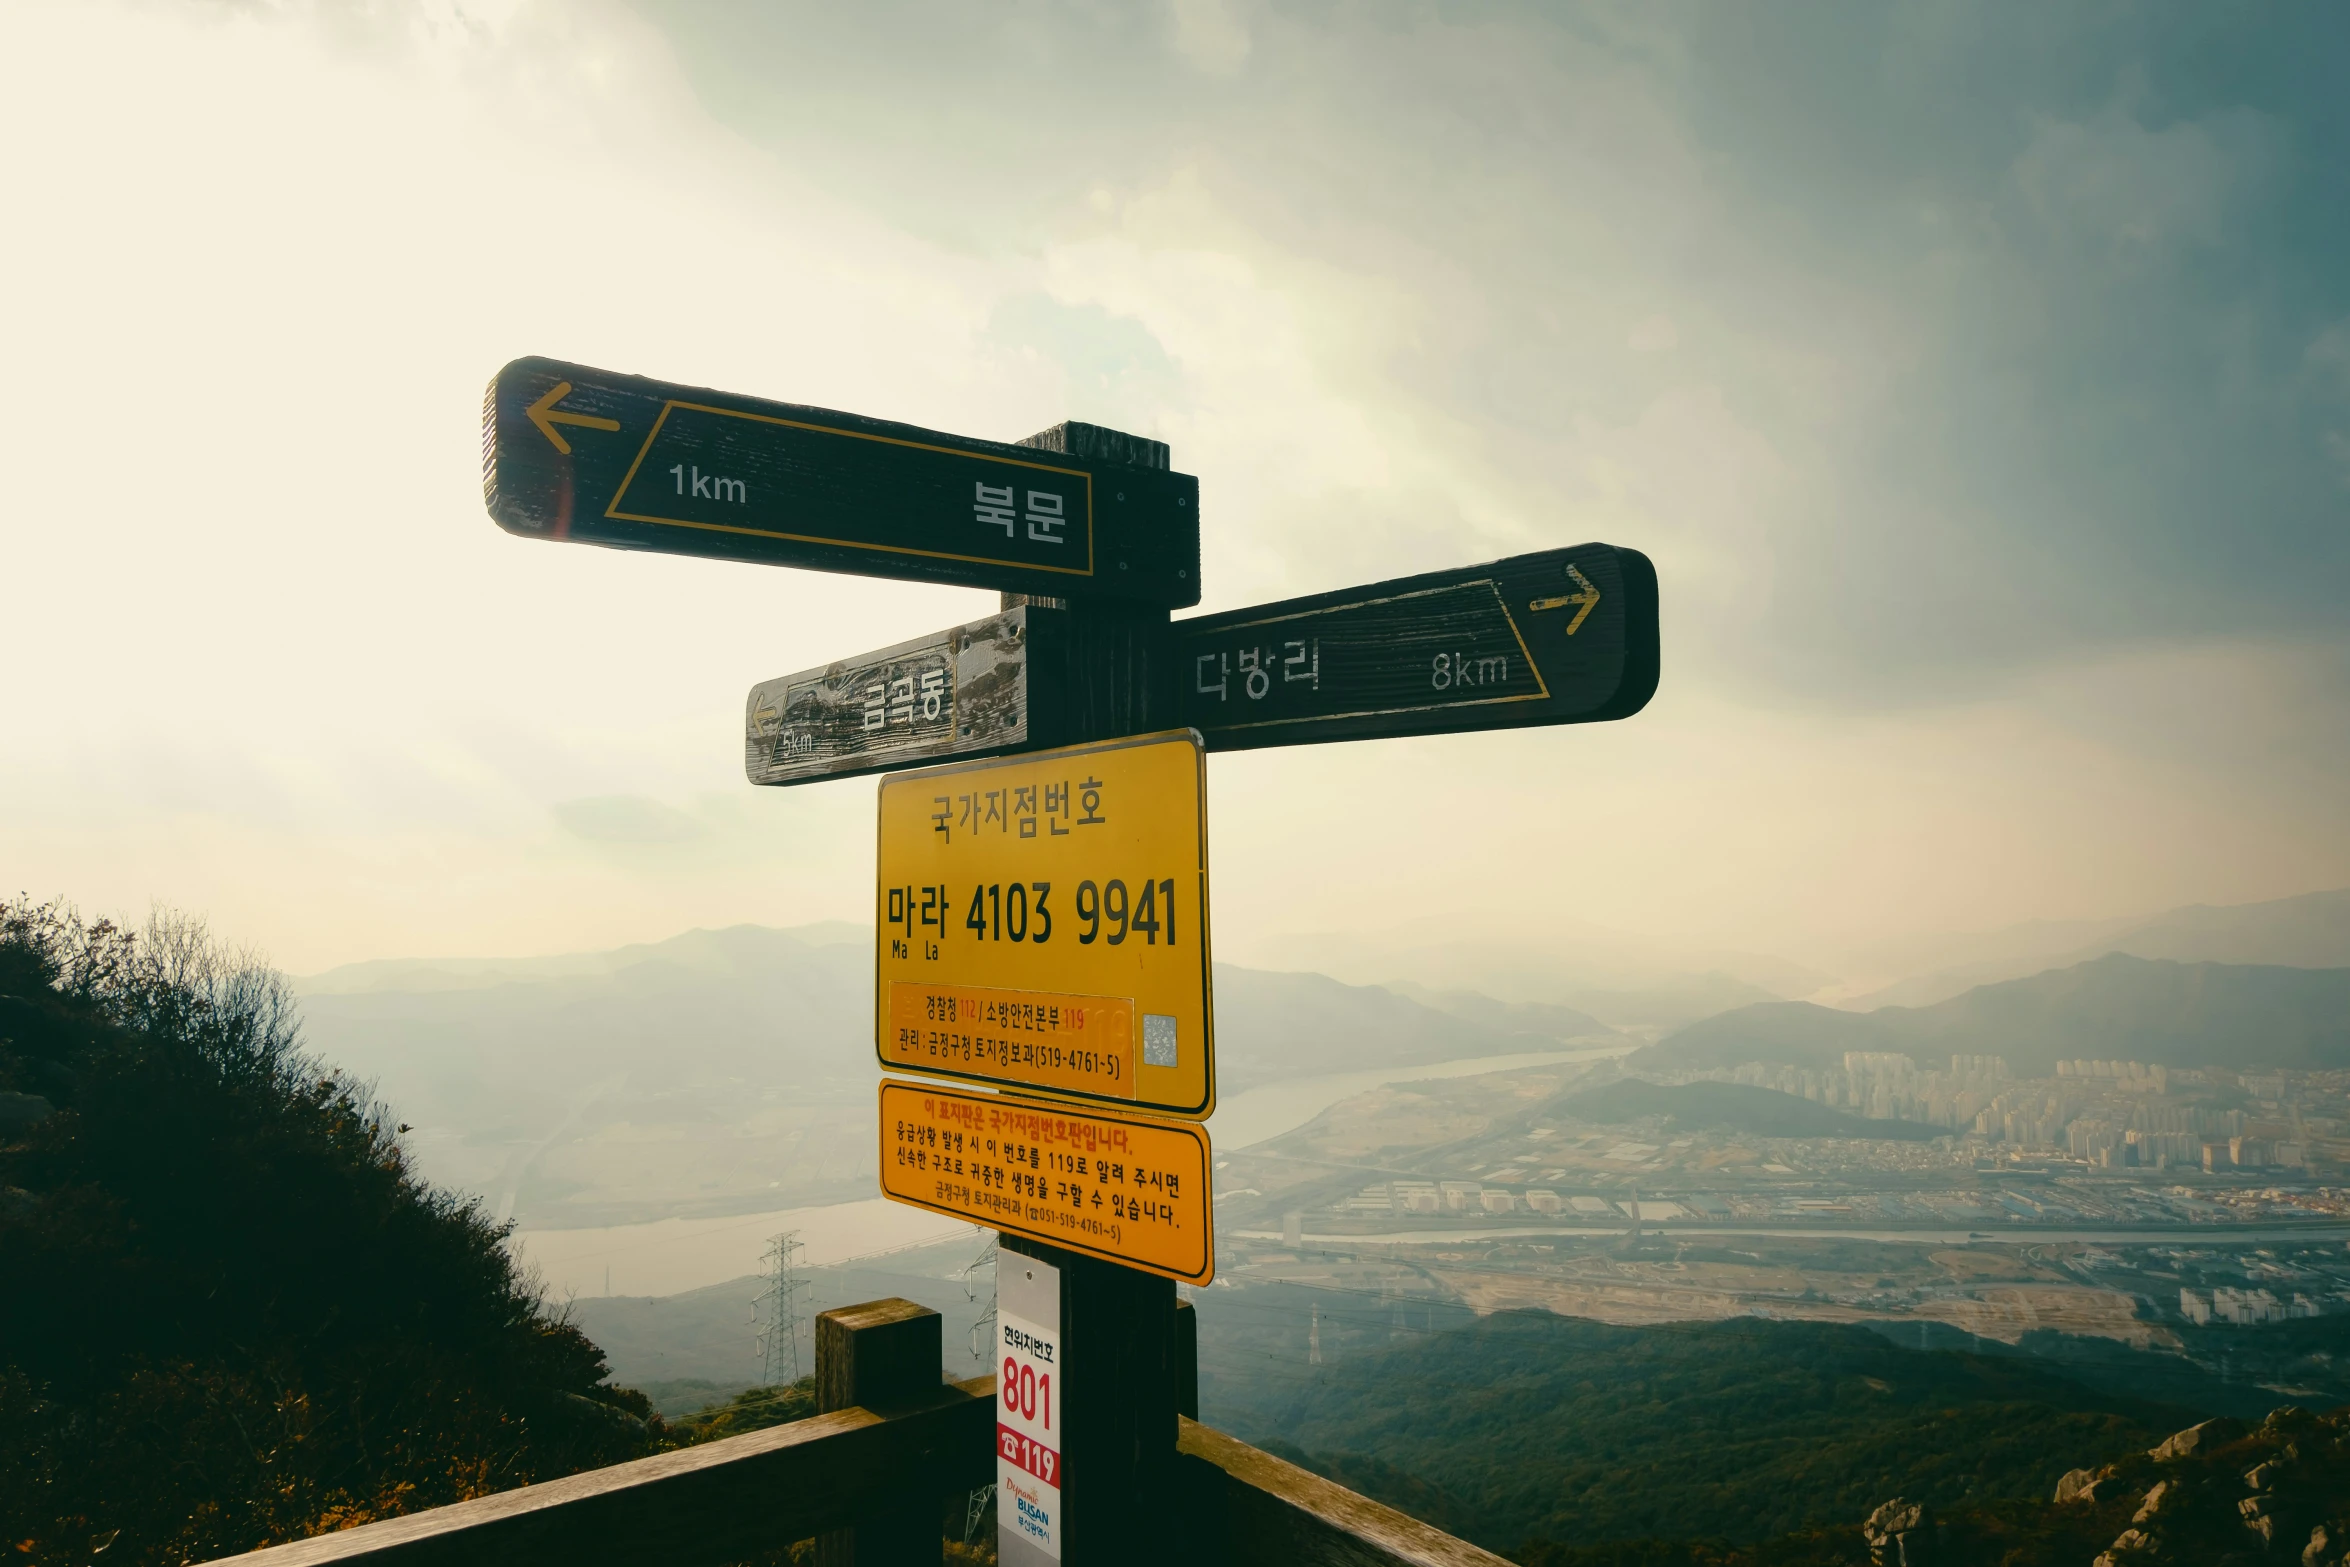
(1207, 957)
(1499, 603)
(614, 513)
(1207, 1164)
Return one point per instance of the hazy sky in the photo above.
(1978, 377)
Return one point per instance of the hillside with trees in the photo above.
(233, 1314)
(1522, 1427)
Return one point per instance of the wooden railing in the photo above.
(868, 1477)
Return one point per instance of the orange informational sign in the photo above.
(1113, 1186)
(1043, 923)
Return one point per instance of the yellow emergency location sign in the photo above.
(1043, 923)
(1111, 1185)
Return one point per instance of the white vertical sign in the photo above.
(1029, 1401)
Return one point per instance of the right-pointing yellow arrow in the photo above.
(546, 416)
(1588, 599)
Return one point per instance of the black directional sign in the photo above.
(600, 458)
(1561, 637)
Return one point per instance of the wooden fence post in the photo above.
(882, 1356)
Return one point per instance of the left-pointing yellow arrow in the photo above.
(546, 416)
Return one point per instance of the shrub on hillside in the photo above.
(233, 1315)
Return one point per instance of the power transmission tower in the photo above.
(1314, 1339)
(982, 1330)
(778, 1307)
(983, 1351)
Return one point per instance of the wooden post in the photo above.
(881, 1356)
(1107, 667)
(1101, 668)
(1186, 1360)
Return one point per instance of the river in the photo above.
(670, 1256)
(1261, 1113)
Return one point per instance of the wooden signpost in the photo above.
(1042, 891)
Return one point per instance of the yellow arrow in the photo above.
(1588, 599)
(544, 414)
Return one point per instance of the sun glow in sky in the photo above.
(1978, 379)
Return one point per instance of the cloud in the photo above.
(631, 820)
(2009, 307)
(1948, 361)
(1210, 34)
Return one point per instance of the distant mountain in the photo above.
(1271, 1026)
(706, 1333)
(2312, 931)
(717, 1071)
(1668, 1003)
(1539, 1024)
(1737, 1107)
(707, 951)
(2157, 1011)
(2305, 932)
(727, 1071)
(1624, 980)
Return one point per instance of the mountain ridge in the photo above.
(2117, 1006)
(732, 1069)
(2310, 930)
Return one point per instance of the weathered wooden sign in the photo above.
(1561, 637)
(1043, 923)
(571, 452)
(962, 692)
(1111, 1185)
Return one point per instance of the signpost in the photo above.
(570, 452)
(1042, 896)
(1043, 924)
